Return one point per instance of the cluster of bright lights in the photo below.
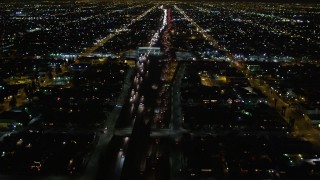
(156, 35)
(208, 37)
(102, 41)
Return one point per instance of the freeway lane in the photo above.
(92, 167)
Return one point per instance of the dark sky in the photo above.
(273, 1)
(318, 1)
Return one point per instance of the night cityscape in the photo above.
(159, 90)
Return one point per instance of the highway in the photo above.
(138, 112)
(88, 51)
(109, 128)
